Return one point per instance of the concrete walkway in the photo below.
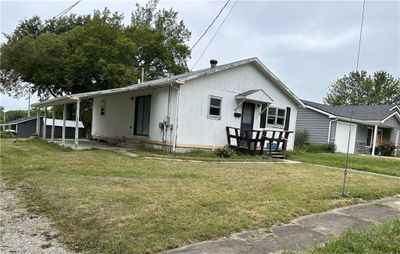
(304, 232)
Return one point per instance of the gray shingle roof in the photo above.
(360, 112)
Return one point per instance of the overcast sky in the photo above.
(306, 44)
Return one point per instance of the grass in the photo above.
(359, 162)
(384, 238)
(200, 155)
(103, 202)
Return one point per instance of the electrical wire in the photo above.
(215, 34)
(212, 23)
(345, 172)
(59, 15)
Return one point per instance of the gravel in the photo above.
(24, 232)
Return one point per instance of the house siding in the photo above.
(393, 122)
(195, 127)
(316, 124)
(118, 121)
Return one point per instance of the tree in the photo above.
(77, 54)
(359, 88)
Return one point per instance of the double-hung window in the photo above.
(214, 110)
(276, 117)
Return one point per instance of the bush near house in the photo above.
(300, 139)
(387, 148)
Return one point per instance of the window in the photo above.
(215, 107)
(263, 117)
(276, 116)
(370, 131)
(103, 107)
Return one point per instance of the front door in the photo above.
(379, 137)
(247, 116)
(247, 121)
(142, 115)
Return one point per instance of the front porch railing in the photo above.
(255, 141)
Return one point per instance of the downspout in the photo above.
(330, 129)
(176, 113)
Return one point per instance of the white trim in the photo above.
(398, 109)
(397, 138)
(374, 140)
(276, 125)
(395, 113)
(330, 129)
(320, 111)
(210, 116)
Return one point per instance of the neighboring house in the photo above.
(192, 110)
(26, 127)
(368, 126)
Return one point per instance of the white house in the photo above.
(192, 110)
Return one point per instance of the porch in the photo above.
(270, 142)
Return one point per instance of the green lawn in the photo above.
(365, 163)
(104, 202)
(384, 238)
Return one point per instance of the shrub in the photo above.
(224, 152)
(300, 139)
(320, 148)
(7, 134)
(387, 148)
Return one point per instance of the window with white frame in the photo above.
(370, 132)
(214, 110)
(276, 116)
(103, 107)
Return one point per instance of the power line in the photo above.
(212, 23)
(215, 34)
(59, 15)
(352, 108)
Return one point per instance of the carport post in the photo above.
(52, 126)
(78, 102)
(63, 127)
(374, 140)
(44, 122)
(38, 122)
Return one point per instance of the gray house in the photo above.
(26, 127)
(368, 125)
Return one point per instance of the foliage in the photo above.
(320, 148)
(84, 53)
(359, 88)
(7, 134)
(387, 148)
(379, 239)
(104, 202)
(300, 139)
(224, 152)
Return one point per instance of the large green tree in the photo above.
(76, 54)
(359, 88)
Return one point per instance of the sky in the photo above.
(307, 44)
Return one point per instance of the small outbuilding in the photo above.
(26, 127)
